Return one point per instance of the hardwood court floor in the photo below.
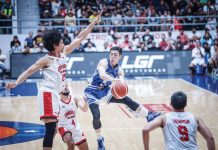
(121, 130)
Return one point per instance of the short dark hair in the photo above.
(179, 100)
(116, 48)
(50, 38)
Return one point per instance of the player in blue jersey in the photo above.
(99, 90)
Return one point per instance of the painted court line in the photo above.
(198, 87)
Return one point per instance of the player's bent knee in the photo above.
(49, 134)
(96, 124)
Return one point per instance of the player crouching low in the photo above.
(68, 125)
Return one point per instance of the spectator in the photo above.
(207, 38)
(147, 36)
(126, 45)
(59, 20)
(39, 49)
(44, 5)
(37, 39)
(211, 23)
(163, 45)
(15, 39)
(213, 62)
(79, 48)
(29, 40)
(114, 43)
(198, 54)
(189, 46)
(90, 48)
(26, 50)
(152, 46)
(66, 38)
(2, 62)
(142, 47)
(170, 39)
(183, 37)
(207, 52)
(153, 20)
(46, 15)
(135, 41)
(89, 42)
(7, 11)
(129, 19)
(16, 48)
(70, 21)
(179, 45)
(162, 8)
(55, 6)
(93, 15)
(194, 33)
(143, 18)
(116, 19)
(62, 9)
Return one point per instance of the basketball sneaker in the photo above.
(101, 144)
(152, 115)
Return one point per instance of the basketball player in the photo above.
(68, 125)
(99, 90)
(53, 66)
(179, 127)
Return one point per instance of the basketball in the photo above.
(119, 90)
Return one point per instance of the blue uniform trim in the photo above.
(99, 88)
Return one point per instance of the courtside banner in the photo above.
(83, 65)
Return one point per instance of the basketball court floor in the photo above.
(21, 129)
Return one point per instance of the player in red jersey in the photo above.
(53, 66)
(68, 125)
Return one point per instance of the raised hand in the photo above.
(98, 18)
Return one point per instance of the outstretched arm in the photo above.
(31, 70)
(83, 34)
(149, 127)
(205, 132)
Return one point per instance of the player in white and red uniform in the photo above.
(68, 125)
(53, 66)
(50, 87)
(179, 127)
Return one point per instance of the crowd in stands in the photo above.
(6, 12)
(126, 14)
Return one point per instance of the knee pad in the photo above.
(96, 115)
(49, 134)
(96, 123)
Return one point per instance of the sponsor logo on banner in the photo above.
(72, 60)
(141, 61)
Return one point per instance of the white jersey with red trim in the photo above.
(180, 131)
(55, 75)
(67, 116)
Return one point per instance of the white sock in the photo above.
(98, 134)
(141, 111)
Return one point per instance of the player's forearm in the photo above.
(22, 77)
(145, 136)
(84, 33)
(211, 144)
(106, 77)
